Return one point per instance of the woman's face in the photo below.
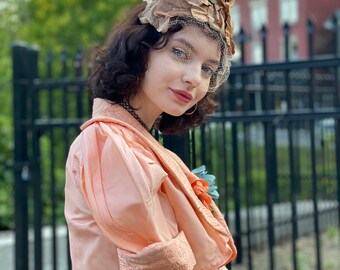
(178, 75)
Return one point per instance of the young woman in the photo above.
(130, 203)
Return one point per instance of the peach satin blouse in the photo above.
(129, 204)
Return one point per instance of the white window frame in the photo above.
(289, 11)
(257, 51)
(292, 48)
(236, 18)
(258, 14)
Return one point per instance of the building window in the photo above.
(258, 13)
(289, 11)
(257, 52)
(236, 18)
(292, 48)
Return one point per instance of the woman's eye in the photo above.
(179, 53)
(208, 71)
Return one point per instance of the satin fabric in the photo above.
(129, 204)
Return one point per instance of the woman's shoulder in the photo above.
(103, 133)
(107, 128)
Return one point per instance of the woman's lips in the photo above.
(182, 96)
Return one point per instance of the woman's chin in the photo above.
(175, 113)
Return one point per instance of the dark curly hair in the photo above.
(121, 66)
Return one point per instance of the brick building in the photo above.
(253, 14)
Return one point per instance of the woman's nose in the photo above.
(192, 75)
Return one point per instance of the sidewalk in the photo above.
(7, 249)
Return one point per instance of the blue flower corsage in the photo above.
(202, 173)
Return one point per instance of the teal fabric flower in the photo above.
(202, 173)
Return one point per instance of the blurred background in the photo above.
(274, 143)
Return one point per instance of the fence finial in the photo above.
(310, 32)
(286, 29)
(310, 26)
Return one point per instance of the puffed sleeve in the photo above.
(120, 181)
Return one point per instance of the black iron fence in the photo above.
(273, 145)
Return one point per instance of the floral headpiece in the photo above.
(216, 13)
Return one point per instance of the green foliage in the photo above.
(333, 235)
(8, 26)
(6, 183)
(70, 23)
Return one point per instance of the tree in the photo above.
(70, 23)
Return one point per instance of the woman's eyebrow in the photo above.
(192, 48)
(187, 44)
(214, 62)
